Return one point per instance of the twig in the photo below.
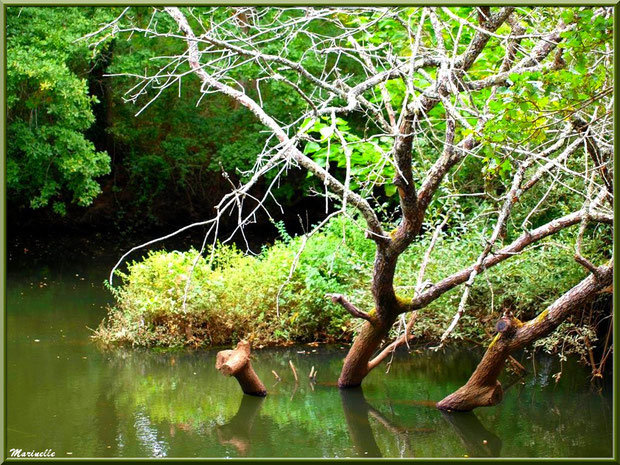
(290, 362)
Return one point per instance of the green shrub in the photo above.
(232, 296)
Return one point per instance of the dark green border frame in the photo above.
(3, 212)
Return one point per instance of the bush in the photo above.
(232, 296)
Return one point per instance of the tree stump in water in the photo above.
(237, 363)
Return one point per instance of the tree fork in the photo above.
(237, 363)
(483, 388)
(356, 364)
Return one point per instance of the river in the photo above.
(67, 395)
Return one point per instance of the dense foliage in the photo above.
(232, 295)
(49, 107)
(80, 108)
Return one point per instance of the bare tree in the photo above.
(449, 101)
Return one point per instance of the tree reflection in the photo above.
(478, 441)
(237, 432)
(357, 412)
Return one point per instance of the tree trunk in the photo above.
(356, 364)
(483, 388)
(237, 363)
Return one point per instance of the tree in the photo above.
(49, 109)
(399, 103)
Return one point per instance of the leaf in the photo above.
(311, 147)
(390, 189)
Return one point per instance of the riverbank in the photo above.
(277, 297)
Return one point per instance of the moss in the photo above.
(540, 317)
(403, 303)
(495, 339)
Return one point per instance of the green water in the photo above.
(66, 394)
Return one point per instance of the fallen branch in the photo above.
(483, 388)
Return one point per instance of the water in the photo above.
(66, 394)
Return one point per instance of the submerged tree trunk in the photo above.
(357, 363)
(483, 388)
(237, 363)
(388, 306)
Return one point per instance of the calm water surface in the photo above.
(66, 394)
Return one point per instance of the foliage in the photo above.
(241, 296)
(176, 138)
(49, 109)
(232, 295)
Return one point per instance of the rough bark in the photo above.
(356, 364)
(237, 363)
(483, 388)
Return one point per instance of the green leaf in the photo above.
(311, 147)
(390, 189)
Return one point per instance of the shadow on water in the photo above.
(478, 441)
(238, 431)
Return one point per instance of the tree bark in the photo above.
(356, 364)
(483, 388)
(237, 363)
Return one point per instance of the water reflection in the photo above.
(64, 392)
(238, 431)
(357, 412)
(478, 441)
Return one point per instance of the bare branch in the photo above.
(514, 248)
(349, 307)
